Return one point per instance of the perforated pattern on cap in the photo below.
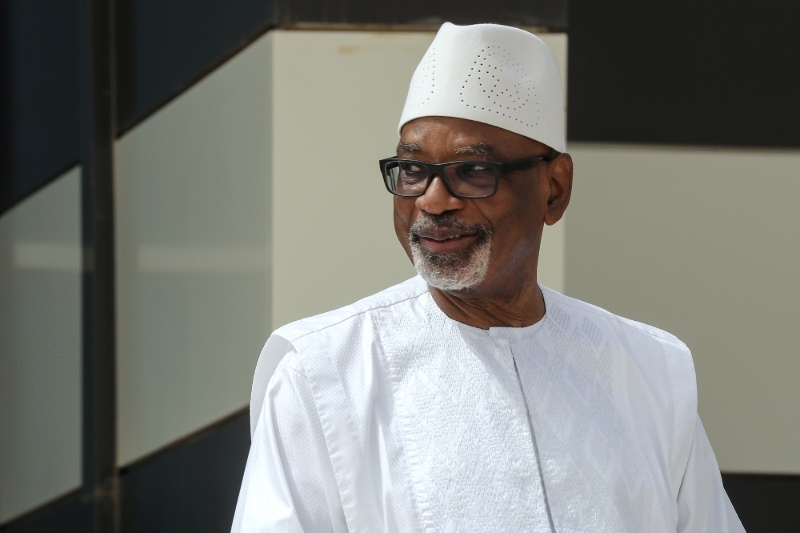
(507, 87)
(425, 76)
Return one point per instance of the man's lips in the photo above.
(445, 241)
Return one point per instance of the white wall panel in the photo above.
(703, 243)
(193, 229)
(337, 101)
(40, 347)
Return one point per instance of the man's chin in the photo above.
(452, 272)
(450, 279)
(465, 291)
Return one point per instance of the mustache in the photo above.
(450, 221)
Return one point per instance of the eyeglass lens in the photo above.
(471, 180)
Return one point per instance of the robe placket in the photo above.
(463, 420)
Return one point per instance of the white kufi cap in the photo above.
(493, 74)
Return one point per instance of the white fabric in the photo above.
(494, 74)
(386, 415)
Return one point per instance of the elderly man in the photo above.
(471, 398)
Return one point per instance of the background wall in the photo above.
(251, 199)
(703, 243)
(235, 127)
(686, 116)
(193, 196)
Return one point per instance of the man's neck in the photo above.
(521, 308)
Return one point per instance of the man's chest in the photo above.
(522, 435)
(435, 428)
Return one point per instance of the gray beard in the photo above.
(453, 271)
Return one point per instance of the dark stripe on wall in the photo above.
(192, 486)
(165, 45)
(543, 13)
(39, 73)
(765, 503)
(189, 487)
(65, 515)
(6, 131)
(696, 72)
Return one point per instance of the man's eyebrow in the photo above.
(408, 147)
(480, 149)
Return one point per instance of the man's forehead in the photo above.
(465, 147)
(455, 134)
(433, 138)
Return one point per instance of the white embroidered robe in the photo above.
(387, 415)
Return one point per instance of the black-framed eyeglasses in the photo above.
(463, 179)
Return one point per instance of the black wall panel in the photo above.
(191, 487)
(549, 13)
(765, 503)
(697, 72)
(165, 45)
(6, 131)
(39, 77)
(67, 515)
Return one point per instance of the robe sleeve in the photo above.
(289, 484)
(703, 505)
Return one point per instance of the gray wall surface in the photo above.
(193, 265)
(40, 347)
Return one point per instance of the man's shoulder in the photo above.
(309, 346)
(662, 360)
(343, 317)
(574, 306)
(637, 358)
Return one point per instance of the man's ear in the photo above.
(559, 173)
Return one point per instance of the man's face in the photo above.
(478, 247)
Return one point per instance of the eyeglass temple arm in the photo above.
(522, 164)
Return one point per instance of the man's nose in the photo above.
(437, 199)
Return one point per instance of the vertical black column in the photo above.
(98, 130)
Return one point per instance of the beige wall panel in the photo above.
(552, 252)
(338, 97)
(193, 231)
(704, 244)
(40, 347)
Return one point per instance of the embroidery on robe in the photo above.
(595, 475)
(464, 426)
